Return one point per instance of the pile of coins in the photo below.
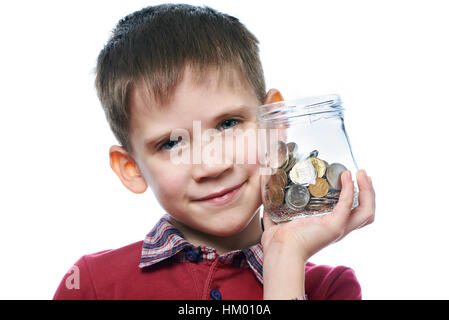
(300, 185)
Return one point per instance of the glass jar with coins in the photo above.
(304, 150)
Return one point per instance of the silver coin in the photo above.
(330, 197)
(313, 154)
(315, 205)
(322, 201)
(333, 173)
(324, 205)
(318, 200)
(333, 193)
(303, 172)
(320, 204)
(297, 197)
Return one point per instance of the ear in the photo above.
(126, 169)
(272, 96)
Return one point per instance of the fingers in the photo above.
(344, 205)
(337, 220)
(364, 213)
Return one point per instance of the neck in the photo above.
(246, 238)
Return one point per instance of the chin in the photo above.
(229, 224)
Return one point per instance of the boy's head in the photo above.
(163, 68)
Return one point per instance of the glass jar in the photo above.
(305, 150)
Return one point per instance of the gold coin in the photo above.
(285, 165)
(290, 164)
(320, 166)
(279, 178)
(283, 175)
(320, 188)
(275, 196)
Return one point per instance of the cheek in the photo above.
(254, 175)
(254, 184)
(168, 181)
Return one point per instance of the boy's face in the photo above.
(179, 186)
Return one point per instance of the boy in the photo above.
(164, 68)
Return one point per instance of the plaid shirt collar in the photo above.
(165, 241)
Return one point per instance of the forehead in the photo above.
(144, 98)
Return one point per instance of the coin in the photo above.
(315, 205)
(275, 180)
(275, 196)
(297, 197)
(279, 178)
(303, 172)
(278, 154)
(321, 200)
(283, 174)
(319, 165)
(319, 188)
(290, 164)
(333, 174)
(292, 148)
(332, 195)
(285, 164)
(312, 208)
(313, 154)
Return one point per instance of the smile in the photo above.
(224, 197)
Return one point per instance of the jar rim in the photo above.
(299, 107)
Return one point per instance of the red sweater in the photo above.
(165, 266)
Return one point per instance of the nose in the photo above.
(209, 170)
(213, 162)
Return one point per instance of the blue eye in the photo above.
(169, 144)
(229, 123)
(226, 124)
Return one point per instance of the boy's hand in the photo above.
(306, 236)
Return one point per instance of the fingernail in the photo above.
(349, 174)
(369, 179)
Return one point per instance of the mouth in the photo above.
(223, 196)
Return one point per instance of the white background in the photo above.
(388, 60)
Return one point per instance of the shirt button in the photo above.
(191, 256)
(215, 294)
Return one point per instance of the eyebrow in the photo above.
(153, 141)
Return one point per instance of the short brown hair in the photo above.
(156, 43)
